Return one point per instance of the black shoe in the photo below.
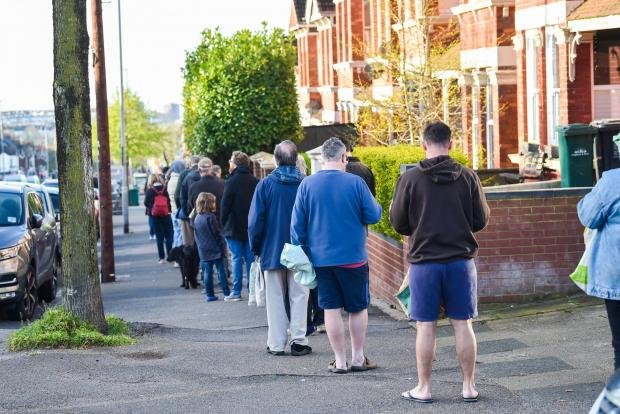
(299, 350)
(276, 353)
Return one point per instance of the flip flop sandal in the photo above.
(471, 399)
(368, 364)
(332, 368)
(407, 396)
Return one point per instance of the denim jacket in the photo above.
(600, 209)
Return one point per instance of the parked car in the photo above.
(50, 182)
(33, 179)
(21, 178)
(29, 265)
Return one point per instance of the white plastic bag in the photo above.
(254, 270)
(580, 275)
(259, 284)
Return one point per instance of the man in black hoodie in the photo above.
(238, 192)
(439, 204)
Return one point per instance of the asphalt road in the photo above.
(196, 357)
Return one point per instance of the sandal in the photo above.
(366, 365)
(334, 370)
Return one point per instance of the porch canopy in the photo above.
(593, 15)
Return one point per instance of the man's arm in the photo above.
(399, 207)
(481, 208)
(371, 210)
(228, 199)
(299, 220)
(256, 220)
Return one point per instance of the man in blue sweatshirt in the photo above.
(269, 224)
(331, 211)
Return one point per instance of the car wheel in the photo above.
(24, 309)
(49, 290)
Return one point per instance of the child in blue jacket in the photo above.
(211, 244)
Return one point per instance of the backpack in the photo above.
(160, 205)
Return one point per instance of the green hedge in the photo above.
(385, 165)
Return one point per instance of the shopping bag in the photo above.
(403, 296)
(259, 284)
(580, 275)
(254, 270)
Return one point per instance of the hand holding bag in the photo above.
(580, 275)
(259, 284)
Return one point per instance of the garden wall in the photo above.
(532, 243)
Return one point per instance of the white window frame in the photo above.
(532, 43)
(552, 60)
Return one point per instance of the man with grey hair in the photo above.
(331, 211)
(207, 183)
(269, 223)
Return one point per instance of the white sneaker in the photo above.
(162, 261)
(176, 264)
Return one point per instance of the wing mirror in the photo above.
(36, 221)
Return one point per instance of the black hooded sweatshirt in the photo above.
(439, 204)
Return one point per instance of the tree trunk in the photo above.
(103, 136)
(81, 291)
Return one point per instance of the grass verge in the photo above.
(58, 328)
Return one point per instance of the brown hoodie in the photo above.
(440, 205)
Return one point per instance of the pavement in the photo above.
(197, 357)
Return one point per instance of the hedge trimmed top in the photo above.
(385, 164)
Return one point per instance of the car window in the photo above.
(11, 210)
(43, 196)
(55, 202)
(35, 204)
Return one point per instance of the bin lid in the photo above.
(575, 129)
(606, 124)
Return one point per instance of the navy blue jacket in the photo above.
(209, 240)
(269, 220)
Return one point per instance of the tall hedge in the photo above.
(385, 165)
(239, 93)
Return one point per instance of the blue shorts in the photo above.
(341, 287)
(452, 284)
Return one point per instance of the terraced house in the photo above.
(523, 66)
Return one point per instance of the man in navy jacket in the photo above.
(329, 221)
(269, 224)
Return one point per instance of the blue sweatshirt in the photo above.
(209, 240)
(269, 220)
(330, 215)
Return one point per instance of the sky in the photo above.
(155, 37)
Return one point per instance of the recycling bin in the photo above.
(133, 196)
(576, 159)
(607, 155)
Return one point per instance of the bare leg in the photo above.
(335, 332)
(425, 354)
(466, 350)
(358, 322)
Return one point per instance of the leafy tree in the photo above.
(145, 138)
(81, 292)
(239, 93)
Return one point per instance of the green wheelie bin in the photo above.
(576, 160)
(133, 196)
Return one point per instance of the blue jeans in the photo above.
(240, 251)
(207, 272)
(163, 234)
(151, 226)
(177, 238)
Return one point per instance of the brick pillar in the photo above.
(542, 87)
(506, 125)
(521, 91)
(580, 91)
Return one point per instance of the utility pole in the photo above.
(103, 137)
(124, 181)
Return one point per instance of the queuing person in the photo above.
(157, 203)
(357, 167)
(600, 210)
(208, 183)
(329, 217)
(147, 185)
(210, 243)
(216, 171)
(176, 168)
(188, 176)
(269, 224)
(238, 192)
(440, 205)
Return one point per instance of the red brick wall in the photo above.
(528, 250)
(521, 94)
(480, 32)
(580, 91)
(505, 132)
(542, 87)
(313, 62)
